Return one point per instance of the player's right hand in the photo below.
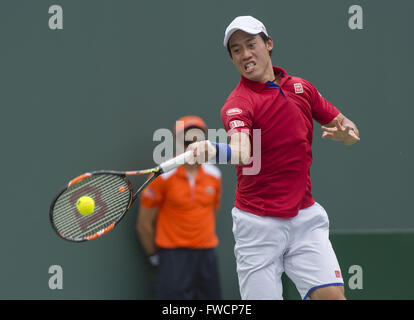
(203, 151)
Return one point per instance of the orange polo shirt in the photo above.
(186, 205)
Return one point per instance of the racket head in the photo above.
(113, 195)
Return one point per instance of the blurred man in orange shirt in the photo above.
(176, 223)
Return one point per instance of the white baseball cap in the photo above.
(245, 23)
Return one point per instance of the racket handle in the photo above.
(175, 162)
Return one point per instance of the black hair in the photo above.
(262, 35)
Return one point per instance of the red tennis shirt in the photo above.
(284, 114)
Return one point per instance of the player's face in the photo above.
(250, 55)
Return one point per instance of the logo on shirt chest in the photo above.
(209, 190)
(298, 87)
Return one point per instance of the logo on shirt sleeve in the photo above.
(298, 87)
(233, 111)
(236, 123)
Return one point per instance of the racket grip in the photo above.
(175, 162)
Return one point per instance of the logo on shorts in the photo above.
(338, 274)
(236, 123)
(233, 111)
(298, 87)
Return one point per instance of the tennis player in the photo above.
(278, 227)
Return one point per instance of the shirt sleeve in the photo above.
(153, 194)
(236, 115)
(322, 110)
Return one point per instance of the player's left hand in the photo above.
(346, 134)
(202, 152)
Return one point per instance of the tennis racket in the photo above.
(112, 194)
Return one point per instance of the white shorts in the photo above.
(299, 246)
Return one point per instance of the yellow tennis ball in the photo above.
(85, 205)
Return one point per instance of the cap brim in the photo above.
(233, 30)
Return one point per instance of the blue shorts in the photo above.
(187, 274)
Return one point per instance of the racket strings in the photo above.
(74, 225)
(66, 217)
(111, 194)
(71, 225)
(67, 206)
(101, 199)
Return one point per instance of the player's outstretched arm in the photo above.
(240, 148)
(237, 152)
(341, 129)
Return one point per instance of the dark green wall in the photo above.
(90, 97)
(384, 261)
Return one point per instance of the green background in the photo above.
(90, 97)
